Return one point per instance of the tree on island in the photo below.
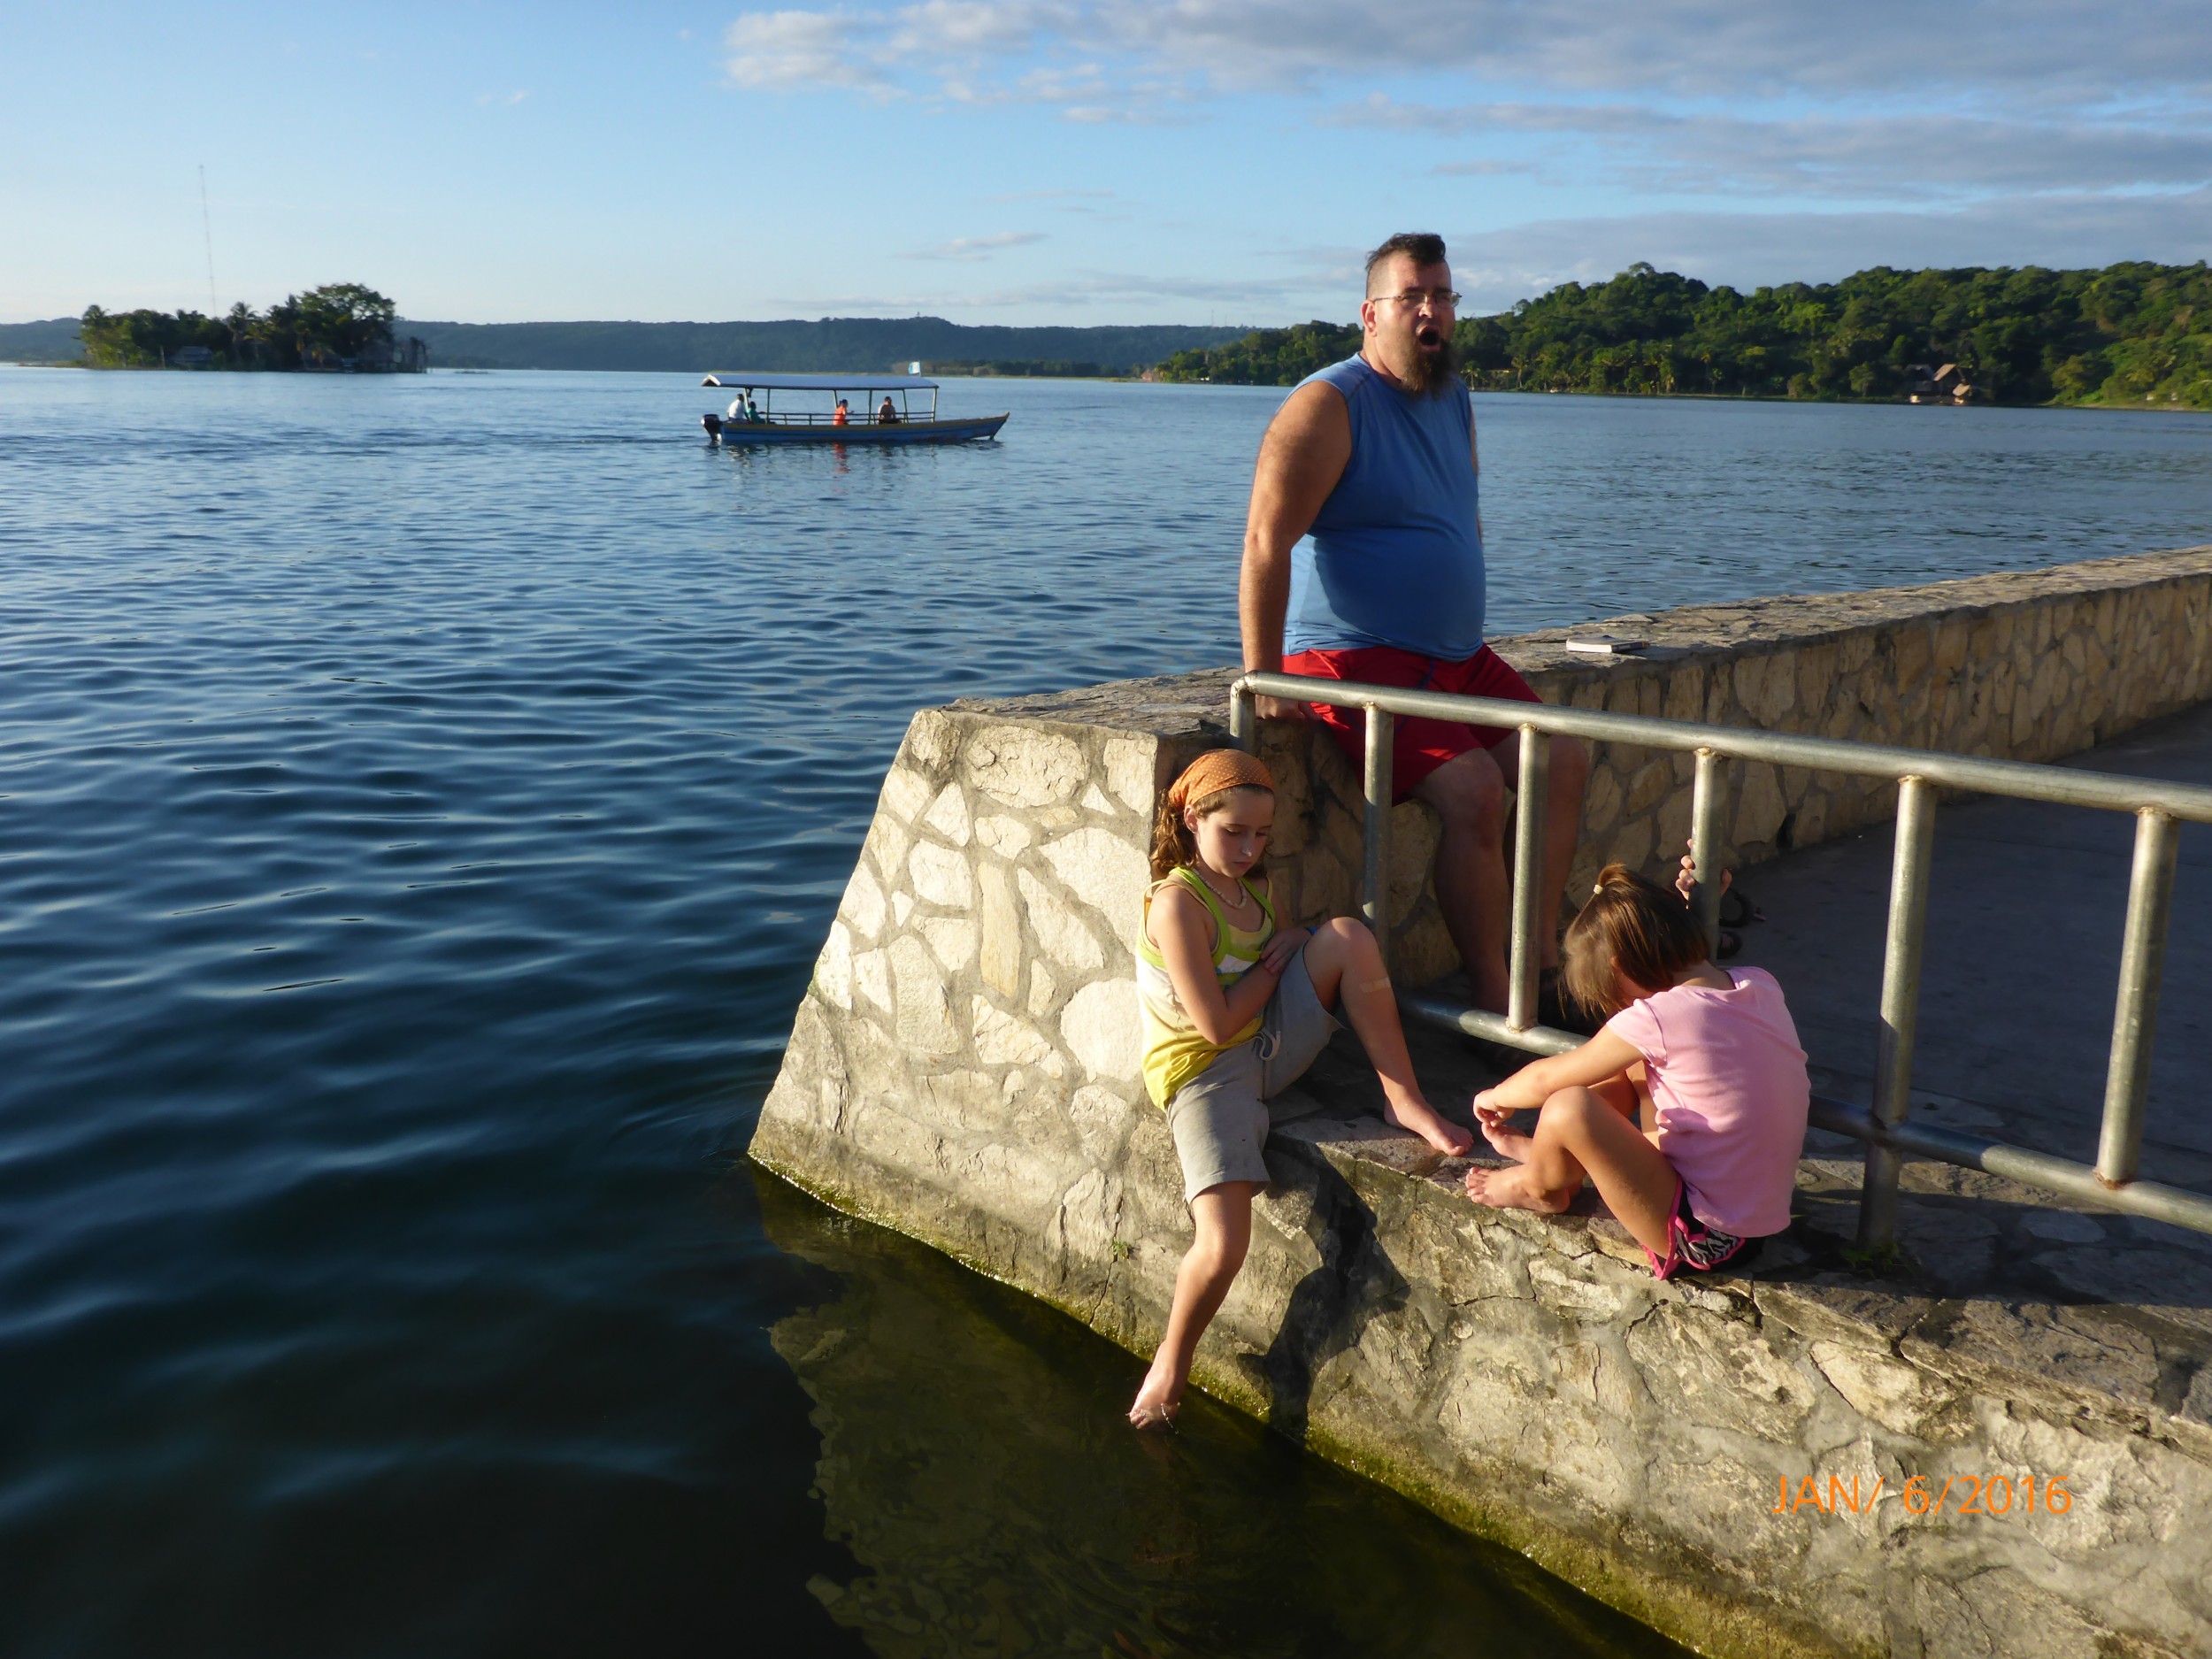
(2132, 334)
(341, 325)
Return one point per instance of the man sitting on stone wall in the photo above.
(1363, 556)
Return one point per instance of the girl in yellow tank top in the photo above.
(1236, 1006)
(1174, 1049)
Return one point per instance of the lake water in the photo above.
(420, 803)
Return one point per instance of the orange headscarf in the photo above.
(1216, 770)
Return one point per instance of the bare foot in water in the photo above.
(1418, 1116)
(1158, 1400)
(1512, 1189)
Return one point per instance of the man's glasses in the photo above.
(1413, 299)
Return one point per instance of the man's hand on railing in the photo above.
(1282, 709)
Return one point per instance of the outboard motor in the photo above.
(712, 422)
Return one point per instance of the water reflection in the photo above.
(975, 1463)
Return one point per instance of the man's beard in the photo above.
(1435, 370)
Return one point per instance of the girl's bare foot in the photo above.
(1418, 1116)
(1508, 1142)
(1158, 1400)
(1513, 1189)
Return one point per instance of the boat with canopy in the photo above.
(883, 413)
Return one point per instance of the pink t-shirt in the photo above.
(1728, 1080)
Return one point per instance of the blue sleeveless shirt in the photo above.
(1396, 555)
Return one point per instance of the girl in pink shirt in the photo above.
(1687, 1110)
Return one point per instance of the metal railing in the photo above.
(2159, 808)
(808, 418)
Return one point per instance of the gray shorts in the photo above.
(1219, 1118)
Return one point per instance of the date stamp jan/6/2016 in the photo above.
(1921, 1494)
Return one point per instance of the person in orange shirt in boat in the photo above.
(843, 417)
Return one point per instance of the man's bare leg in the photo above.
(1468, 793)
(1347, 972)
(1581, 1132)
(1569, 775)
(1222, 1216)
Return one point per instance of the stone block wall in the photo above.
(964, 1068)
(2028, 666)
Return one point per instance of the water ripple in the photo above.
(420, 803)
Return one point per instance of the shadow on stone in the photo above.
(1329, 1309)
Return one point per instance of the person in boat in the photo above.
(753, 415)
(885, 415)
(1363, 562)
(842, 415)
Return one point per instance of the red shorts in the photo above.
(1422, 744)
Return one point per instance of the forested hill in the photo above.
(2129, 335)
(796, 347)
(51, 341)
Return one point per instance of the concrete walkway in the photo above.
(2024, 919)
(2020, 971)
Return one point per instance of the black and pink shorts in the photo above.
(1695, 1247)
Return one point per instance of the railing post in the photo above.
(1531, 795)
(2135, 1018)
(1709, 799)
(1901, 1006)
(1244, 718)
(1374, 901)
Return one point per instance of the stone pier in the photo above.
(964, 1068)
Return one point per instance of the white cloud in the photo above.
(2082, 52)
(1885, 100)
(975, 248)
(1904, 157)
(1481, 169)
(1252, 299)
(783, 51)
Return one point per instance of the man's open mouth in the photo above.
(1429, 337)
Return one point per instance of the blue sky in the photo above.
(1079, 161)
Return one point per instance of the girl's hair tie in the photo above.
(1219, 769)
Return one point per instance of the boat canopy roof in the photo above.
(747, 380)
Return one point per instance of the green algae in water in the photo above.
(976, 1464)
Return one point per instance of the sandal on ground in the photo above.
(1729, 944)
(1737, 909)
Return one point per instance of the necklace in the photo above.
(1243, 893)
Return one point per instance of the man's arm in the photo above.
(1474, 455)
(1308, 445)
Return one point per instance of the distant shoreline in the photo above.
(2167, 407)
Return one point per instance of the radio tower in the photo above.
(207, 228)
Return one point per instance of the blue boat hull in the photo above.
(898, 432)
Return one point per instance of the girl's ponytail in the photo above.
(1172, 845)
(1633, 929)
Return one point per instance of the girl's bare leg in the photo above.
(1580, 1132)
(1347, 971)
(1223, 1217)
(1619, 1091)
